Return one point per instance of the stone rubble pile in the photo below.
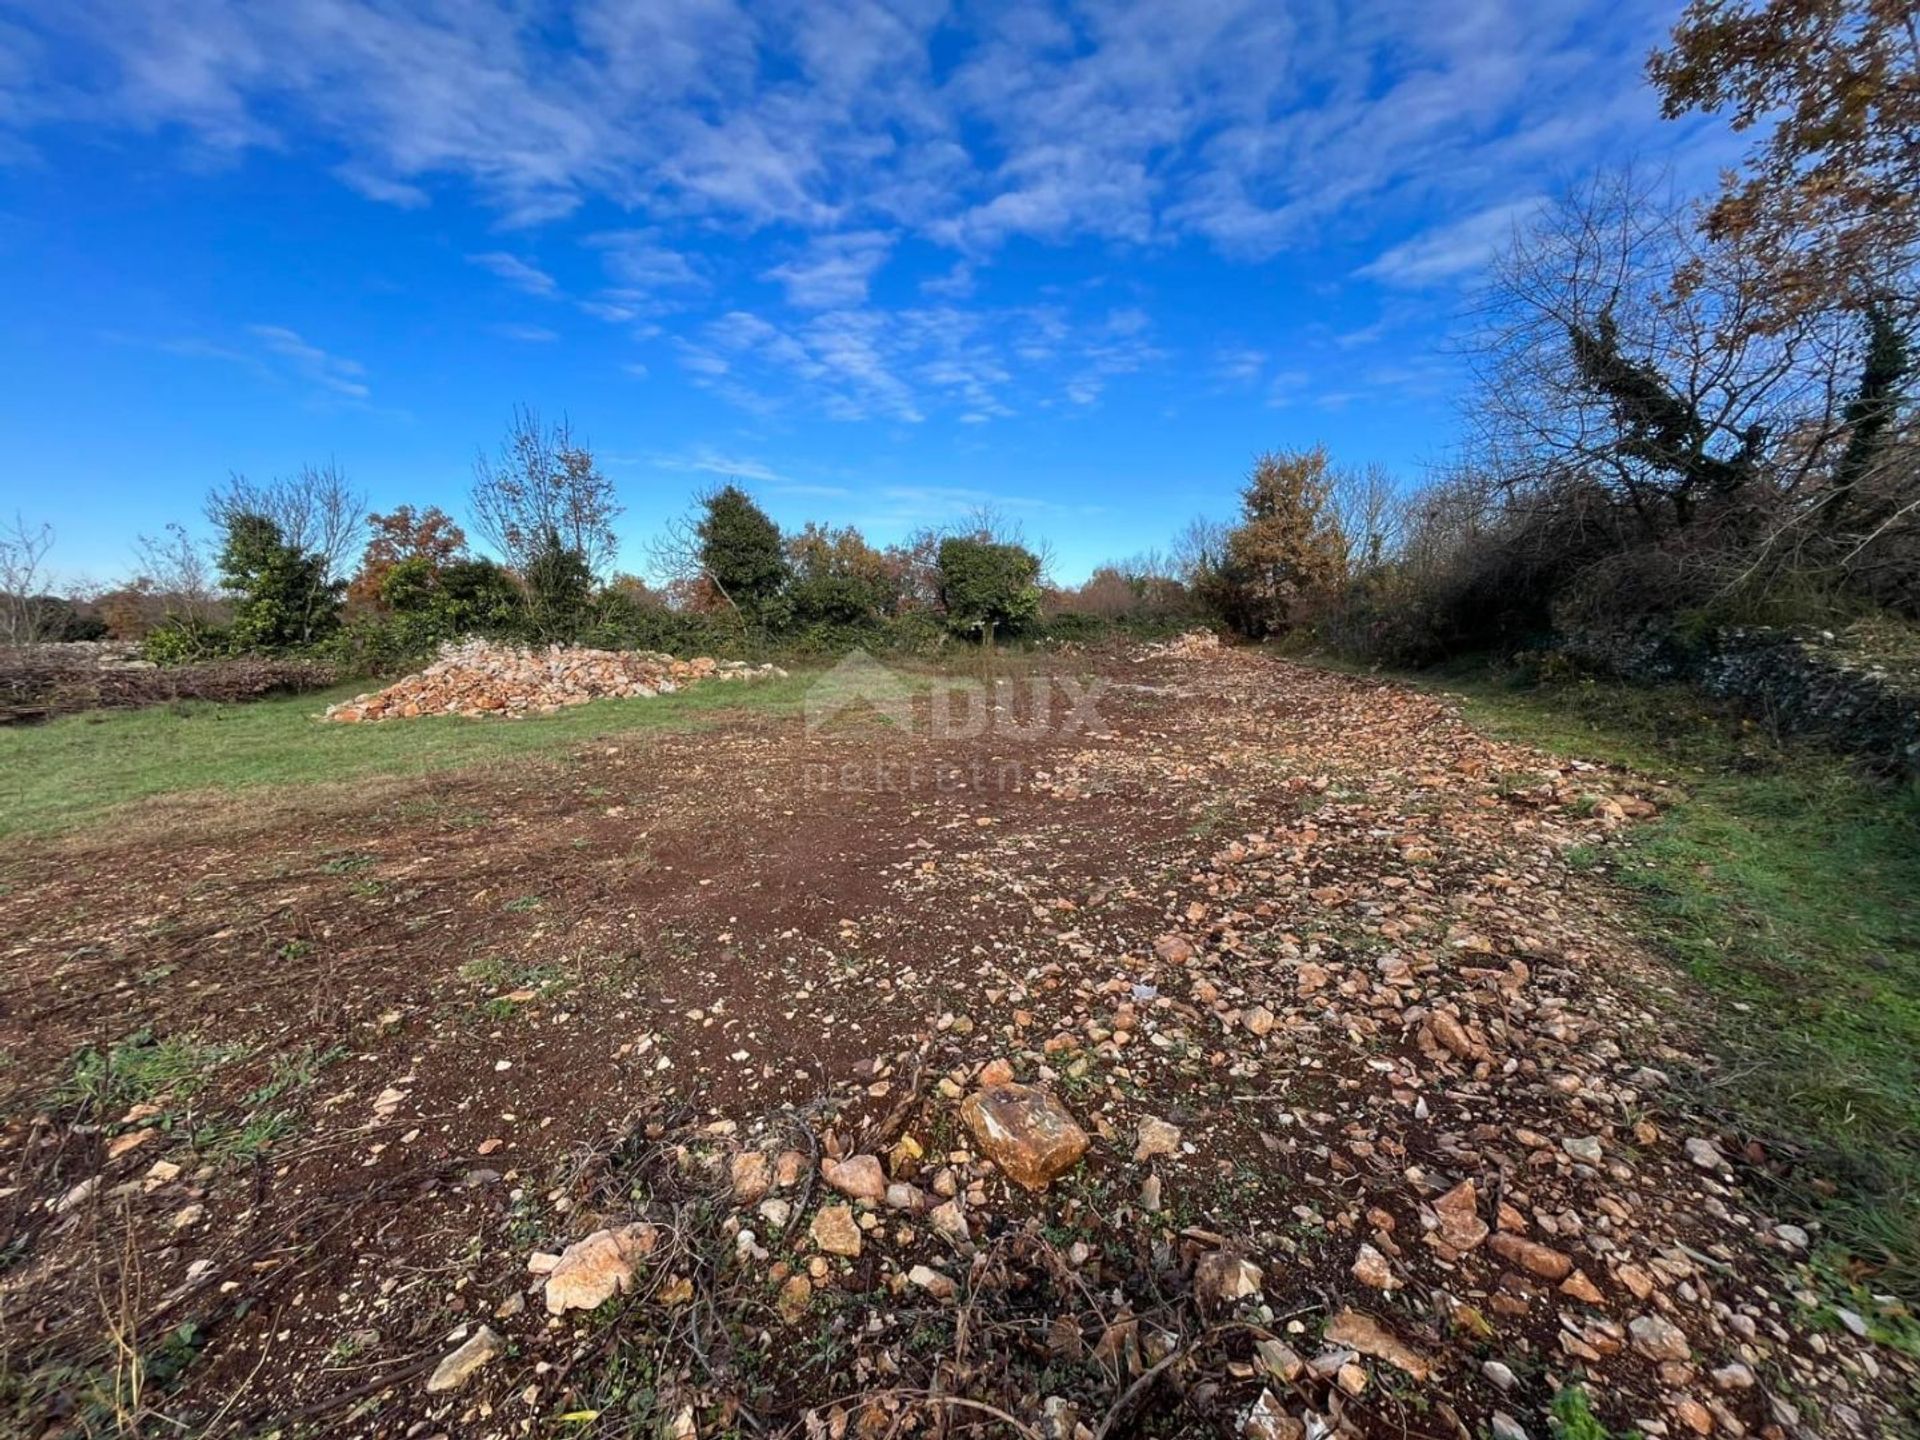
(1190, 645)
(477, 677)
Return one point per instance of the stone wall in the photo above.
(1845, 687)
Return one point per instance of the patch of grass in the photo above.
(77, 768)
(1786, 882)
(102, 1085)
(1573, 1418)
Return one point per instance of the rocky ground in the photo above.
(1236, 1049)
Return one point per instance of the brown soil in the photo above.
(590, 983)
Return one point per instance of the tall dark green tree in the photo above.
(741, 552)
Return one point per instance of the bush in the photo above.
(180, 640)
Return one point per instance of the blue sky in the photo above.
(882, 262)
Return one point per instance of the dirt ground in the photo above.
(299, 1092)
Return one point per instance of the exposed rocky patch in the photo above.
(1254, 1063)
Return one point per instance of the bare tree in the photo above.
(543, 484)
(176, 567)
(1199, 549)
(1368, 508)
(23, 574)
(317, 511)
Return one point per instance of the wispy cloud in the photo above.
(706, 460)
(334, 373)
(516, 272)
(1138, 123)
(273, 354)
(526, 334)
(1450, 251)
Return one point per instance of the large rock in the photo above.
(593, 1270)
(1026, 1132)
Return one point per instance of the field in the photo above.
(1404, 1113)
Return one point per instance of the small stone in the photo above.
(1267, 1419)
(1370, 1267)
(776, 1212)
(833, 1230)
(1351, 1378)
(1174, 949)
(1703, 1154)
(1279, 1360)
(1259, 1021)
(456, 1368)
(1461, 1227)
(950, 1219)
(1792, 1236)
(1499, 1374)
(1695, 1416)
(593, 1270)
(1367, 1335)
(1531, 1256)
(188, 1215)
(752, 1177)
(1734, 1376)
(996, 1072)
(1156, 1137)
(1505, 1427)
(1584, 1148)
(1221, 1278)
(941, 1287)
(1658, 1339)
(1150, 1194)
(133, 1140)
(858, 1178)
(1581, 1288)
(795, 1296)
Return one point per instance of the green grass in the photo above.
(74, 770)
(1788, 884)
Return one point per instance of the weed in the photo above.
(1573, 1418)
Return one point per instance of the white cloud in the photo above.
(516, 272)
(834, 271)
(1239, 364)
(1451, 250)
(1247, 124)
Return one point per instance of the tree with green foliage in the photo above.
(283, 596)
(741, 553)
(988, 587)
(839, 579)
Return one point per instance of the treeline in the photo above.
(299, 566)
